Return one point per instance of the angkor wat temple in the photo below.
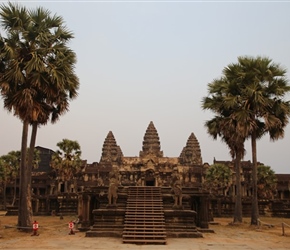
(103, 192)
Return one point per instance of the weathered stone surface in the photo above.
(191, 153)
(151, 143)
(111, 152)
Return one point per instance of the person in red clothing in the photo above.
(35, 228)
(71, 227)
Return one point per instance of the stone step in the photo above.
(145, 241)
(143, 235)
(138, 212)
(148, 224)
(144, 205)
(135, 228)
(144, 217)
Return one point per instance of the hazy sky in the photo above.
(142, 61)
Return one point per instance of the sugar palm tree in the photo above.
(36, 78)
(4, 173)
(226, 128)
(217, 178)
(267, 182)
(10, 166)
(253, 92)
(11, 161)
(66, 161)
(263, 86)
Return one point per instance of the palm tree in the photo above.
(253, 92)
(217, 181)
(263, 86)
(37, 79)
(14, 157)
(10, 169)
(218, 178)
(226, 126)
(10, 166)
(267, 182)
(229, 131)
(67, 161)
(4, 173)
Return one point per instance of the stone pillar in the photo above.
(203, 212)
(51, 189)
(36, 205)
(80, 204)
(47, 204)
(85, 210)
(59, 187)
(88, 207)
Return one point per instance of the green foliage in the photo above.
(9, 171)
(67, 160)
(37, 78)
(251, 95)
(218, 176)
(37, 75)
(9, 165)
(3, 171)
(267, 182)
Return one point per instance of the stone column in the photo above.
(47, 204)
(203, 211)
(80, 204)
(85, 210)
(88, 207)
(51, 189)
(36, 205)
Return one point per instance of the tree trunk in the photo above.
(23, 218)
(29, 169)
(255, 208)
(238, 213)
(14, 193)
(4, 194)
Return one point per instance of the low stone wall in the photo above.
(225, 208)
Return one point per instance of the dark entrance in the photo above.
(150, 183)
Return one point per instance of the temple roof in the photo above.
(191, 153)
(151, 143)
(111, 152)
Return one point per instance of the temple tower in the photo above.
(151, 143)
(191, 153)
(111, 152)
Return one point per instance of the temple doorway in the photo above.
(150, 183)
(150, 178)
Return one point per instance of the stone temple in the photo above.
(129, 196)
(108, 206)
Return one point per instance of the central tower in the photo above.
(151, 143)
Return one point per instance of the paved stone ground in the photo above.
(113, 243)
(54, 235)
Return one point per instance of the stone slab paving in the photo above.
(72, 242)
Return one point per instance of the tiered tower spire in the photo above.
(111, 152)
(151, 143)
(191, 153)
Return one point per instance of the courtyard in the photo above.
(54, 234)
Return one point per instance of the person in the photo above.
(35, 228)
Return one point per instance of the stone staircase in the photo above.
(144, 218)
